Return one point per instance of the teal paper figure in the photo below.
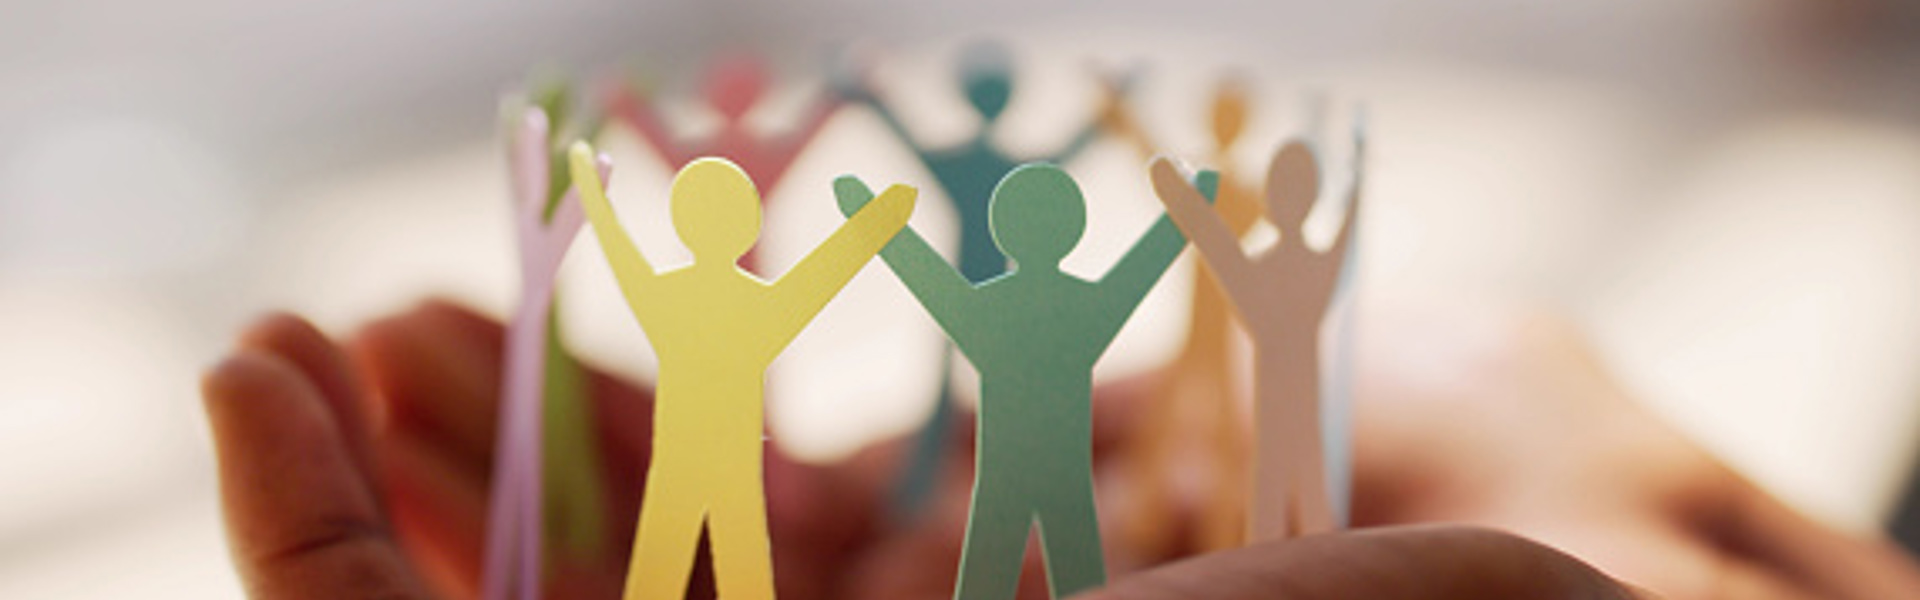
(968, 173)
(1034, 334)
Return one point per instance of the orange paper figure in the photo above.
(1281, 295)
(1194, 403)
(715, 328)
(733, 87)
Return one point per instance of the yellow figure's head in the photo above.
(716, 210)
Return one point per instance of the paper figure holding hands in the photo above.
(1034, 335)
(716, 328)
(1281, 296)
(733, 87)
(1194, 402)
(545, 223)
(968, 173)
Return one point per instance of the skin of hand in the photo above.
(1505, 417)
(360, 471)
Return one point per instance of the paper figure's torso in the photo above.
(968, 175)
(714, 337)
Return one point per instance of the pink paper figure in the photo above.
(514, 517)
(734, 86)
(1281, 295)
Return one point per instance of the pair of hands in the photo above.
(359, 470)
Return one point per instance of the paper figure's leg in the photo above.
(532, 526)
(1310, 471)
(742, 554)
(501, 533)
(1224, 524)
(532, 508)
(512, 546)
(668, 536)
(996, 539)
(1270, 500)
(576, 512)
(1070, 535)
(1336, 405)
(1149, 452)
(922, 473)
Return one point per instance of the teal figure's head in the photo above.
(1037, 216)
(987, 74)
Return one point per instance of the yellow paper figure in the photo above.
(716, 328)
(1194, 400)
(1281, 295)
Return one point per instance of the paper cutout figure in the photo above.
(716, 328)
(571, 472)
(1194, 402)
(734, 86)
(968, 173)
(1281, 296)
(515, 517)
(575, 495)
(1034, 335)
(1336, 419)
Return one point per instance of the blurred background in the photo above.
(1726, 193)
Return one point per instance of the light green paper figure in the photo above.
(1034, 335)
(716, 328)
(968, 172)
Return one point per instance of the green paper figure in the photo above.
(968, 173)
(570, 457)
(1034, 334)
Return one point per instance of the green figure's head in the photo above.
(716, 210)
(987, 74)
(1037, 216)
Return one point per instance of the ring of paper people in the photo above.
(1032, 331)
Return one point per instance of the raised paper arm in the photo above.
(782, 156)
(1338, 252)
(1118, 118)
(545, 230)
(629, 265)
(1128, 282)
(1209, 233)
(939, 287)
(804, 290)
(638, 112)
